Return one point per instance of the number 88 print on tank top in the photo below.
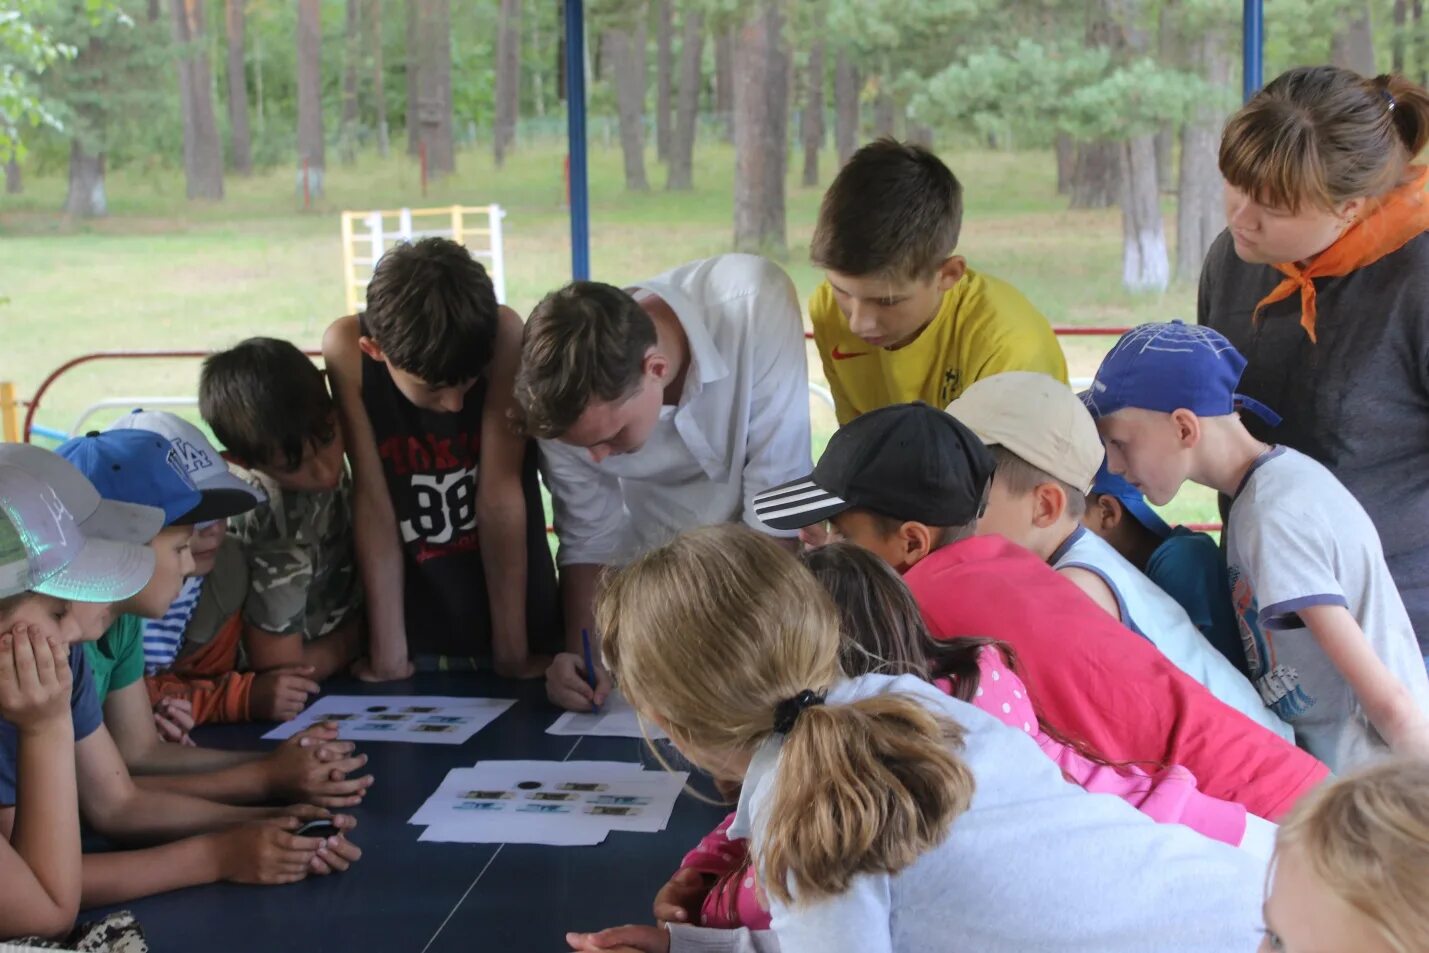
(432, 462)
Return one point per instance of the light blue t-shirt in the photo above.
(1296, 538)
(1151, 613)
(1034, 863)
(1190, 568)
(84, 710)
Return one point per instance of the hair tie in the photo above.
(788, 711)
(1389, 98)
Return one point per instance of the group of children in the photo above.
(1004, 703)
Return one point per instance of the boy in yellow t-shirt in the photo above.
(901, 318)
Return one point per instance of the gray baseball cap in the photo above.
(43, 549)
(98, 518)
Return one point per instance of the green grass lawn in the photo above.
(161, 272)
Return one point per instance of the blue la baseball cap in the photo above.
(1166, 367)
(1131, 499)
(138, 466)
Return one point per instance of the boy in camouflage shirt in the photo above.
(301, 613)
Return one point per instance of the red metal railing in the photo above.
(32, 406)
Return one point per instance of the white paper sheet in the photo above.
(415, 719)
(548, 802)
(616, 719)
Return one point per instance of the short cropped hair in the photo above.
(942, 535)
(266, 402)
(432, 310)
(895, 210)
(586, 342)
(1021, 478)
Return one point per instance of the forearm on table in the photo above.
(151, 815)
(240, 782)
(121, 876)
(46, 820)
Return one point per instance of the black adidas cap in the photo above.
(907, 461)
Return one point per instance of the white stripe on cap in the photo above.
(804, 491)
(825, 502)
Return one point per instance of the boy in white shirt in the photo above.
(659, 408)
(1048, 454)
(1329, 644)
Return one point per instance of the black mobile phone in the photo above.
(321, 827)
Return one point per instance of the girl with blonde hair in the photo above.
(1351, 867)
(884, 815)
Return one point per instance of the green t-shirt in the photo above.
(117, 659)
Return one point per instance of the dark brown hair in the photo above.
(266, 402)
(432, 310)
(583, 343)
(894, 210)
(1318, 136)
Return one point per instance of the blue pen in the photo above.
(589, 666)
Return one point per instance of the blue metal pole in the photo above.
(1253, 64)
(576, 136)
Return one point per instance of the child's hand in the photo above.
(316, 774)
(631, 939)
(35, 680)
(174, 719)
(265, 852)
(566, 683)
(281, 694)
(679, 901)
(335, 856)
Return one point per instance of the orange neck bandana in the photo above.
(1386, 225)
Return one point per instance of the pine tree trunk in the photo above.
(1417, 40)
(379, 78)
(885, 115)
(761, 131)
(1352, 46)
(1066, 149)
(687, 110)
(1200, 210)
(242, 139)
(724, 80)
(311, 147)
(434, 102)
(561, 52)
(1096, 175)
(14, 180)
(203, 149)
(664, 76)
(508, 79)
(351, 54)
(1401, 22)
(625, 50)
(414, 76)
(86, 198)
(1145, 265)
(812, 126)
(846, 113)
(1165, 145)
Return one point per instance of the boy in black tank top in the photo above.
(447, 510)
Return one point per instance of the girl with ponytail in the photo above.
(1322, 281)
(883, 815)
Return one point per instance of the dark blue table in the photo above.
(408, 896)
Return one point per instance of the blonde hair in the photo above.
(712, 633)
(1320, 136)
(1366, 837)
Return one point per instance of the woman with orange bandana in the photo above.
(1321, 280)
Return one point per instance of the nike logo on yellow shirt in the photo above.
(845, 355)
